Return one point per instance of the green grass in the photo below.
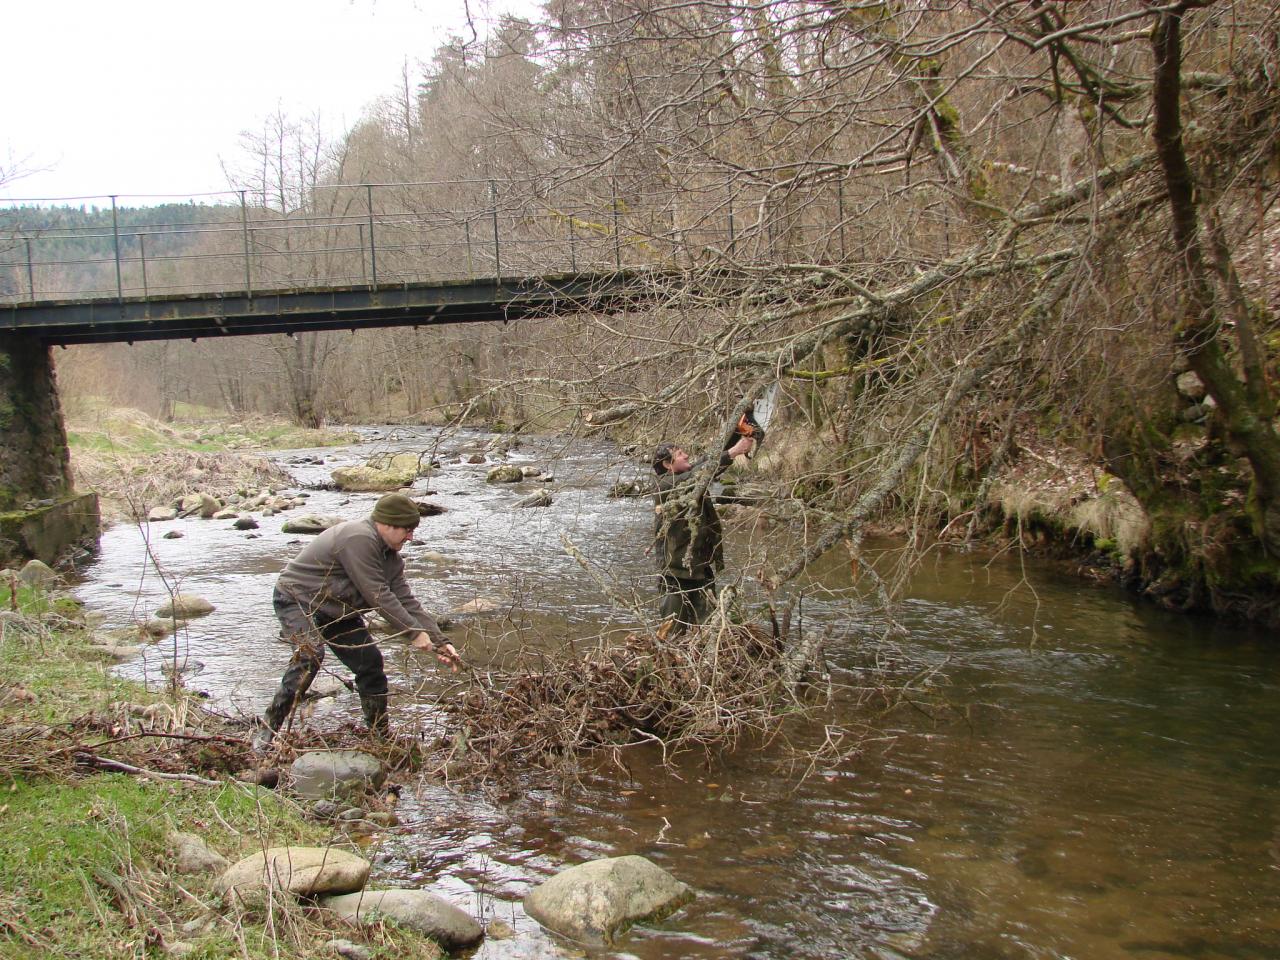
(68, 848)
(84, 859)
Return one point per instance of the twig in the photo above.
(104, 763)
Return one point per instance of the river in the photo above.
(1084, 777)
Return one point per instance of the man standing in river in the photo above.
(321, 597)
(687, 534)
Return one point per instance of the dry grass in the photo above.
(128, 485)
(1062, 489)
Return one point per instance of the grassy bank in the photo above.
(88, 864)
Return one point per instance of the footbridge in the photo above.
(336, 257)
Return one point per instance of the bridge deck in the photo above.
(65, 322)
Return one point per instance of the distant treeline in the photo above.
(66, 234)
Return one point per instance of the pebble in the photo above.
(499, 930)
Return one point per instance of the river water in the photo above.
(1077, 776)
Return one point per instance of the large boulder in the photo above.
(299, 871)
(381, 473)
(418, 910)
(599, 900)
(37, 573)
(311, 523)
(329, 774)
(504, 473)
(184, 606)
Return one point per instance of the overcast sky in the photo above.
(137, 97)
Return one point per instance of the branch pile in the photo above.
(706, 689)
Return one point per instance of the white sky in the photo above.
(142, 97)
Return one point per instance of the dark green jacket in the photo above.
(678, 520)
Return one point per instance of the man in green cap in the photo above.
(321, 597)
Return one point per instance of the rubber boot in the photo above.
(296, 681)
(374, 708)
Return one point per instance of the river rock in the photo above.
(499, 930)
(431, 556)
(311, 523)
(530, 472)
(381, 473)
(203, 505)
(1190, 385)
(478, 605)
(173, 535)
(504, 473)
(184, 606)
(157, 628)
(192, 855)
(418, 910)
(475, 458)
(326, 774)
(37, 573)
(597, 901)
(162, 513)
(227, 514)
(629, 488)
(540, 499)
(300, 871)
(246, 523)
(325, 686)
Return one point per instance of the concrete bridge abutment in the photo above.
(41, 516)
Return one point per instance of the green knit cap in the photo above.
(396, 510)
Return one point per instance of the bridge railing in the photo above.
(396, 233)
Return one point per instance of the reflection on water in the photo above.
(1097, 779)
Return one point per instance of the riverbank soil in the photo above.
(88, 857)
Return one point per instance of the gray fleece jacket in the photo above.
(349, 569)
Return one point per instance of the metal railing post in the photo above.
(573, 245)
(244, 236)
(31, 274)
(373, 250)
(115, 234)
(497, 248)
(364, 270)
(617, 238)
(142, 259)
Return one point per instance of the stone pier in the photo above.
(40, 514)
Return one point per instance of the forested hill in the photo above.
(67, 233)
